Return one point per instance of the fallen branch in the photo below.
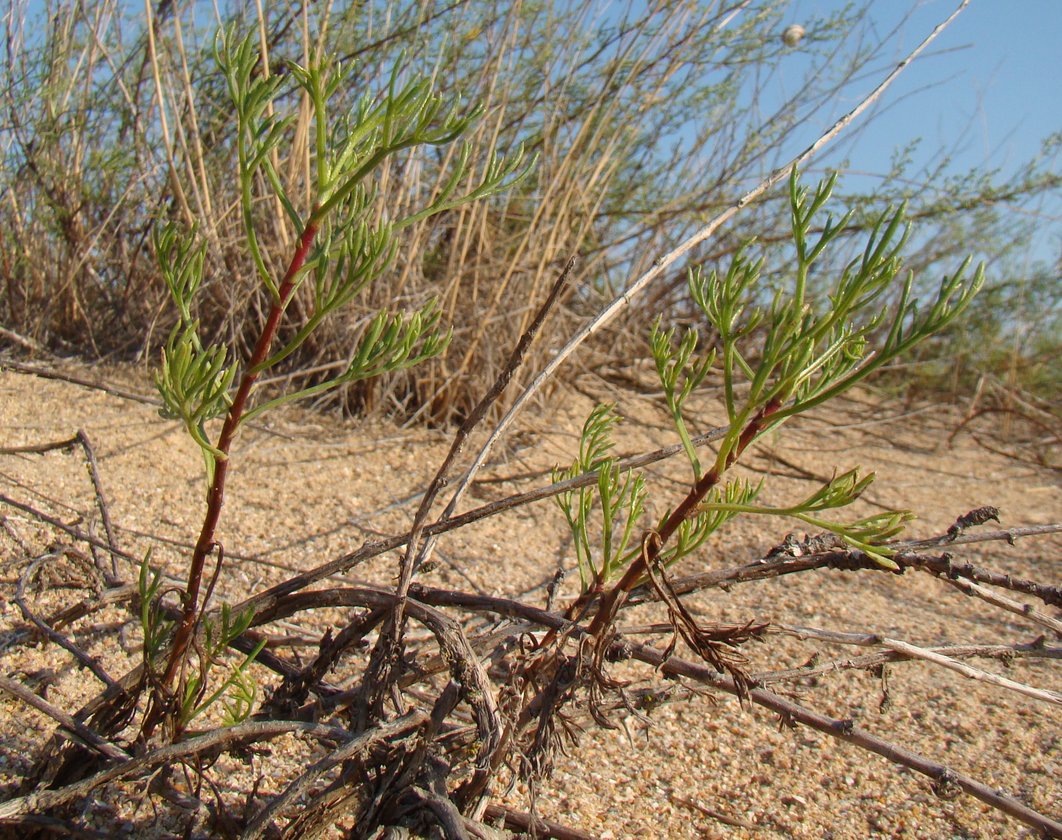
(73, 726)
(520, 821)
(845, 730)
(946, 567)
(1045, 695)
(301, 785)
(1009, 604)
(242, 734)
(48, 631)
(873, 661)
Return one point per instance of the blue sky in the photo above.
(988, 90)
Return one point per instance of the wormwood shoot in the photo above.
(344, 241)
(777, 355)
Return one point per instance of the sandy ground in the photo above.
(305, 489)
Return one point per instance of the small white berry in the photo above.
(793, 34)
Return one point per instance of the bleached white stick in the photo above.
(1043, 694)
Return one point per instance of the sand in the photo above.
(306, 488)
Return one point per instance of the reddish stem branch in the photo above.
(216, 495)
(686, 508)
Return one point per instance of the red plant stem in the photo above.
(216, 496)
(686, 508)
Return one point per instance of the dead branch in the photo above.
(61, 376)
(77, 730)
(1045, 695)
(41, 801)
(1009, 604)
(76, 533)
(519, 821)
(712, 813)
(873, 661)
(101, 502)
(55, 826)
(945, 567)
(845, 730)
(379, 675)
(81, 656)
(353, 747)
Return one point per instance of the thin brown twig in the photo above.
(240, 734)
(845, 730)
(943, 566)
(74, 532)
(838, 637)
(91, 540)
(873, 661)
(377, 681)
(1007, 535)
(1009, 604)
(914, 651)
(101, 501)
(50, 632)
(38, 448)
(22, 340)
(81, 439)
(512, 364)
(50, 373)
(267, 813)
(946, 567)
(76, 728)
(521, 821)
(713, 813)
(86, 606)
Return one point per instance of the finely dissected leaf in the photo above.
(350, 251)
(181, 263)
(238, 692)
(155, 627)
(810, 354)
(722, 505)
(680, 372)
(618, 497)
(194, 383)
(388, 343)
(343, 245)
(258, 132)
(790, 356)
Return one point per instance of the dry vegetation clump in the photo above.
(647, 122)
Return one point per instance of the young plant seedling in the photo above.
(776, 361)
(340, 250)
